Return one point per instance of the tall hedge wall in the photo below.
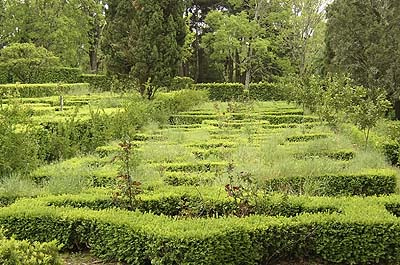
(41, 75)
(222, 91)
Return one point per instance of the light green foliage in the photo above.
(369, 109)
(68, 29)
(18, 148)
(14, 252)
(233, 42)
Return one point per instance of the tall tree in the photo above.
(304, 33)
(363, 39)
(67, 28)
(234, 41)
(143, 40)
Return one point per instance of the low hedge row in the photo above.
(345, 155)
(40, 90)
(14, 252)
(201, 166)
(273, 119)
(222, 91)
(182, 179)
(369, 183)
(307, 137)
(363, 233)
(220, 152)
(190, 119)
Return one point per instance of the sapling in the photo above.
(127, 188)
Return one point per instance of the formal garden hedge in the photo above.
(363, 232)
(222, 91)
(40, 90)
(97, 82)
(40, 75)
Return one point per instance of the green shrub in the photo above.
(222, 91)
(369, 183)
(18, 148)
(14, 252)
(353, 236)
(201, 166)
(22, 60)
(46, 75)
(344, 154)
(41, 90)
(306, 137)
(189, 119)
(97, 82)
(391, 151)
(180, 179)
(180, 83)
(266, 92)
(274, 119)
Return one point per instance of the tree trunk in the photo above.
(397, 108)
(93, 61)
(248, 68)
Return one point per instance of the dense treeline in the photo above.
(242, 41)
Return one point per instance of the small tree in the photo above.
(368, 109)
(128, 188)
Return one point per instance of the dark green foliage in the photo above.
(40, 75)
(266, 91)
(181, 179)
(306, 137)
(363, 184)
(392, 152)
(97, 82)
(338, 155)
(143, 40)
(222, 91)
(289, 119)
(40, 90)
(181, 82)
(368, 49)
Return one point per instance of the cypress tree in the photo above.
(143, 40)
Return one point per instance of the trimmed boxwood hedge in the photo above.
(266, 92)
(42, 75)
(307, 137)
(369, 183)
(363, 233)
(40, 90)
(97, 82)
(344, 154)
(222, 91)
